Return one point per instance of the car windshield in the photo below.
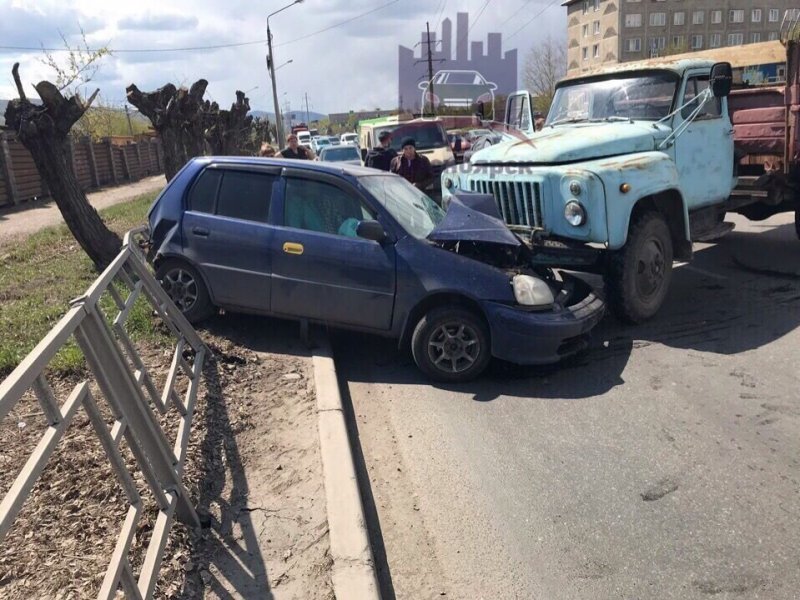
(646, 97)
(412, 209)
(427, 135)
(341, 153)
(464, 78)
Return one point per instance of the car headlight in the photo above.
(574, 213)
(531, 291)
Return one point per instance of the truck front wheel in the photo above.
(637, 276)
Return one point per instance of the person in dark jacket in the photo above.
(414, 168)
(294, 149)
(381, 156)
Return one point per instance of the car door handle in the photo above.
(201, 231)
(293, 248)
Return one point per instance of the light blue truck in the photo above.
(632, 165)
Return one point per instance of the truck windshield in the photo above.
(646, 96)
(427, 135)
(412, 209)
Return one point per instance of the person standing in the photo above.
(381, 156)
(413, 167)
(294, 149)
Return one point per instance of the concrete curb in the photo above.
(353, 571)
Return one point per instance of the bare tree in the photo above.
(545, 64)
(229, 132)
(44, 130)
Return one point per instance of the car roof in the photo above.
(353, 170)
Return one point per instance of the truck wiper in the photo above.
(568, 120)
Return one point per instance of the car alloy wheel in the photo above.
(454, 347)
(181, 287)
(186, 289)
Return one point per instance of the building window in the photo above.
(716, 16)
(633, 45)
(633, 0)
(586, 30)
(596, 5)
(755, 15)
(755, 37)
(735, 39)
(658, 43)
(697, 41)
(773, 35)
(677, 41)
(679, 18)
(596, 51)
(584, 53)
(736, 16)
(715, 40)
(633, 20)
(585, 6)
(597, 27)
(657, 19)
(698, 17)
(774, 15)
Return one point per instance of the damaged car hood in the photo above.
(473, 218)
(573, 142)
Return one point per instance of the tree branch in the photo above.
(15, 73)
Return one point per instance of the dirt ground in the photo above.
(22, 220)
(253, 471)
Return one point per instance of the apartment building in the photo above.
(611, 31)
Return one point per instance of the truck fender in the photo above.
(644, 181)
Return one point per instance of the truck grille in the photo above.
(520, 202)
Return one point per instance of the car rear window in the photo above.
(245, 195)
(204, 191)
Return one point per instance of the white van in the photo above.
(304, 138)
(349, 138)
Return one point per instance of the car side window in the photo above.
(204, 191)
(318, 206)
(244, 195)
(694, 86)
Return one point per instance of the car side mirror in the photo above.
(721, 79)
(371, 230)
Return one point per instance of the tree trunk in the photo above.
(230, 132)
(177, 114)
(43, 130)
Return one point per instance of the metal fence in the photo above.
(117, 370)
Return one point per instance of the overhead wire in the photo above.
(533, 18)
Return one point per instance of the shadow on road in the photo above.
(735, 296)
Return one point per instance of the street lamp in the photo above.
(271, 65)
(284, 64)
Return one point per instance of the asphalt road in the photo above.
(664, 464)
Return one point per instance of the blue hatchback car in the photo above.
(361, 249)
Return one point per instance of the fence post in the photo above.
(111, 158)
(125, 163)
(92, 162)
(8, 170)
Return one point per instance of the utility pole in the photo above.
(307, 119)
(128, 116)
(430, 70)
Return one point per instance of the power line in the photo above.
(197, 48)
(515, 13)
(439, 18)
(532, 19)
(466, 35)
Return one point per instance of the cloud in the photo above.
(31, 28)
(150, 22)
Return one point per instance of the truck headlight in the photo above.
(574, 213)
(575, 188)
(531, 291)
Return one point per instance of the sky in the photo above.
(351, 66)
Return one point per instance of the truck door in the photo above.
(519, 114)
(704, 151)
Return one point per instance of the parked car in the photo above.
(474, 134)
(349, 138)
(481, 142)
(346, 153)
(459, 144)
(360, 249)
(335, 141)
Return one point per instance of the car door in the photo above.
(227, 236)
(320, 269)
(703, 152)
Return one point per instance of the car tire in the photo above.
(186, 289)
(451, 344)
(637, 277)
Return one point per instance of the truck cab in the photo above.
(633, 164)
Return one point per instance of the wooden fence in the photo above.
(95, 164)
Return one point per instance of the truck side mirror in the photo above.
(721, 79)
(480, 110)
(363, 155)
